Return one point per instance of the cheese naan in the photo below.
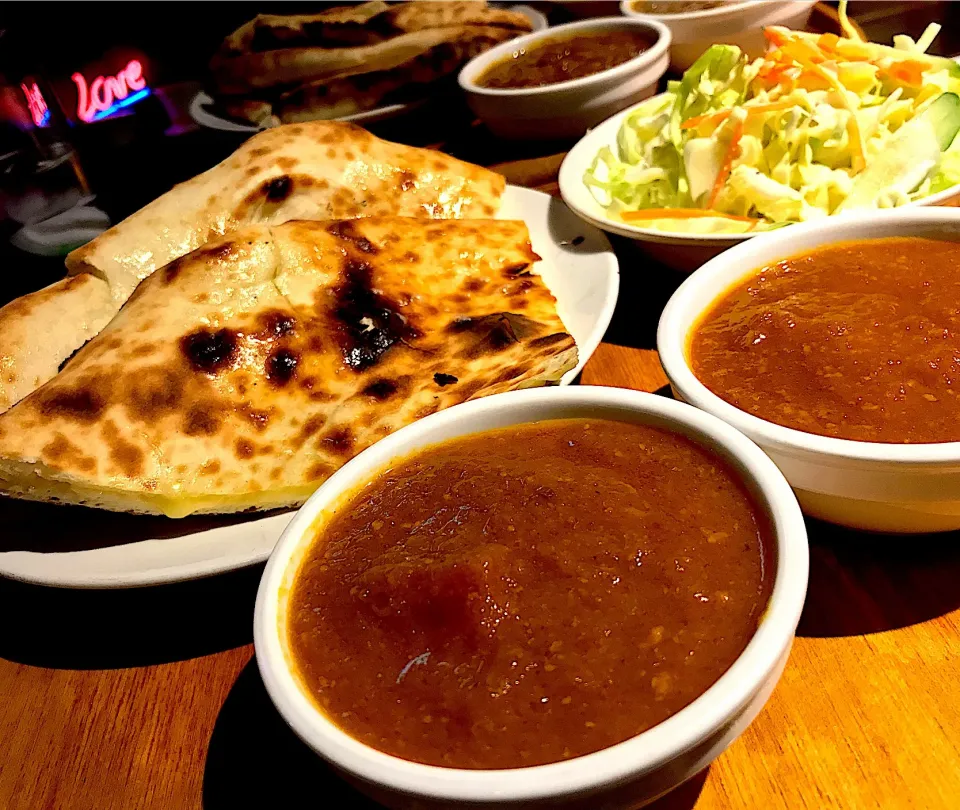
(316, 170)
(364, 24)
(40, 330)
(241, 376)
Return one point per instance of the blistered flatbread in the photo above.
(259, 71)
(316, 170)
(40, 330)
(364, 24)
(241, 376)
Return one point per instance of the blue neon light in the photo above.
(45, 120)
(117, 105)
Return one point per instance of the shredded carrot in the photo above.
(732, 151)
(908, 72)
(805, 55)
(681, 213)
(718, 118)
(775, 36)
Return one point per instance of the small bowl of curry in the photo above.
(559, 82)
(834, 346)
(570, 598)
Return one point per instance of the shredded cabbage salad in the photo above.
(820, 125)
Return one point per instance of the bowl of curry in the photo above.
(834, 347)
(557, 83)
(544, 598)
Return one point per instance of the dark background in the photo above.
(131, 159)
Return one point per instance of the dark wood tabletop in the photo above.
(151, 698)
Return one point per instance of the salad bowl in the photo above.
(739, 148)
(684, 252)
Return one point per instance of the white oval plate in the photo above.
(203, 116)
(578, 197)
(76, 547)
(206, 118)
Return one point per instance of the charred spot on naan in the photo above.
(380, 390)
(339, 441)
(81, 404)
(365, 322)
(202, 420)
(281, 366)
(127, 457)
(62, 454)
(244, 449)
(210, 350)
(346, 230)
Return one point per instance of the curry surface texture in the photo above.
(857, 340)
(530, 594)
(561, 59)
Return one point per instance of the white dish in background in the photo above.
(202, 115)
(622, 776)
(735, 23)
(565, 109)
(122, 551)
(866, 485)
(205, 117)
(681, 251)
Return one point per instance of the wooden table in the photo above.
(152, 699)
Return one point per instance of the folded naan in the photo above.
(316, 170)
(40, 330)
(258, 71)
(364, 24)
(241, 376)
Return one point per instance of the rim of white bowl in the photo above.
(592, 772)
(709, 13)
(680, 317)
(475, 67)
(571, 191)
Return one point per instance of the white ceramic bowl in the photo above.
(681, 251)
(735, 23)
(566, 109)
(624, 775)
(865, 485)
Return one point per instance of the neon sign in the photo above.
(107, 94)
(37, 105)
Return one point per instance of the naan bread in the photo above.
(242, 375)
(365, 24)
(349, 95)
(342, 25)
(255, 72)
(40, 330)
(316, 170)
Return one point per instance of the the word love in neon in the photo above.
(108, 93)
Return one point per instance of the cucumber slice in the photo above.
(944, 116)
(910, 155)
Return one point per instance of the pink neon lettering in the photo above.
(35, 103)
(105, 90)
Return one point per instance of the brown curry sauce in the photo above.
(563, 58)
(856, 340)
(530, 594)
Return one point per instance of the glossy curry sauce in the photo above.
(560, 59)
(858, 340)
(528, 595)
